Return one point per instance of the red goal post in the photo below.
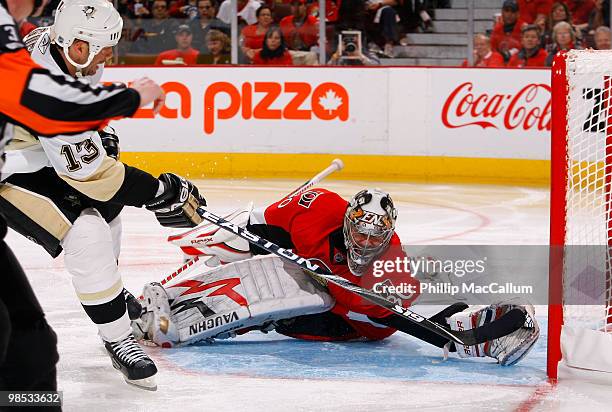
(580, 291)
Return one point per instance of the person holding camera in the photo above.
(350, 52)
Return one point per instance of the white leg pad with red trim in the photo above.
(217, 303)
(210, 240)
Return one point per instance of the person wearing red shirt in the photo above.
(531, 55)
(532, 10)
(581, 10)
(274, 51)
(253, 34)
(506, 35)
(483, 55)
(354, 240)
(184, 54)
(300, 30)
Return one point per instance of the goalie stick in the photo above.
(336, 165)
(467, 337)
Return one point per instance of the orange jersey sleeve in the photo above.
(47, 103)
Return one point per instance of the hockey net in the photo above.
(580, 305)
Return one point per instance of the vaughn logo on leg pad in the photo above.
(213, 322)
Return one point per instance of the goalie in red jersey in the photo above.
(230, 287)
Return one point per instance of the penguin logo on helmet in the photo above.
(89, 12)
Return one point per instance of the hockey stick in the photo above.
(336, 165)
(467, 337)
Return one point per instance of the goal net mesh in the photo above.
(587, 264)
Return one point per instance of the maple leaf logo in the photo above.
(330, 101)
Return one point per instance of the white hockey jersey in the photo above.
(77, 158)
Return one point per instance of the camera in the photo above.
(137, 8)
(349, 44)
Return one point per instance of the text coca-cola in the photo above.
(529, 108)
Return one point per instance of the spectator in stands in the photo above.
(532, 10)
(274, 51)
(157, 32)
(483, 55)
(564, 38)
(184, 9)
(580, 9)
(603, 38)
(353, 58)
(531, 54)
(506, 35)
(206, 21)
(600, 16)
(414, 16)
(246, 12)
(558, 12)
(252, 36)
(218, 46)
(384, 24)
(183, 54)
(300, 30)
(136, 10)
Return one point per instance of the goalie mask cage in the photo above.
(580, 303)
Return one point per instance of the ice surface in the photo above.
(259, 372)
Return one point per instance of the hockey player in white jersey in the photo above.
(66, 193)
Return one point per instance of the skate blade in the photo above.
(147, 384)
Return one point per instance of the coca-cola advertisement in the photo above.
(492, 113)
(527, 109)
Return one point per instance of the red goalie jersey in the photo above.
(311, 224)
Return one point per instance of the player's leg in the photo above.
(90, 255)
(30, 352)
(327, 326)
(44, 208)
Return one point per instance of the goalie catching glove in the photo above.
(176, 205)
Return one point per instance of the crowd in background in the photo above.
(271, 31)
(529, 33)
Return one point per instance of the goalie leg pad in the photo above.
(210, 240)
(508, 349)
(254, 293)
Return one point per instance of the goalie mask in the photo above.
(93, 21)
(369, 222)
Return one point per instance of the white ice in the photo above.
(260, 372)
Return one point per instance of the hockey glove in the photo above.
(176, 206)
(508, 349)
(110, 142)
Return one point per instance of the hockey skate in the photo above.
(129, 358)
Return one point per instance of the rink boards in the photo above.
(421, 124)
